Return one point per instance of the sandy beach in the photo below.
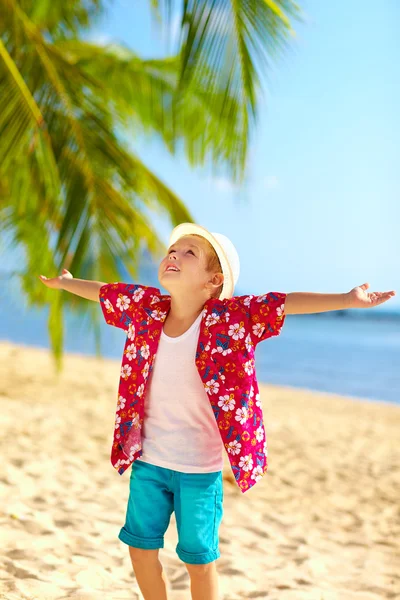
(323, 524)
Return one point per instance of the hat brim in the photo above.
(192, 228)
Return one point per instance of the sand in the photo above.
(324, 522)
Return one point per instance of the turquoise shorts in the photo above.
(196, 499)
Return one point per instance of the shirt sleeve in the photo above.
(266, 315)
(120, 301)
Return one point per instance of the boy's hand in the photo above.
(359, 298)
(56, 282)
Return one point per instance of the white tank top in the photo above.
(179, 429)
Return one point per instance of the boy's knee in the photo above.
(200, 570)
(140, 554)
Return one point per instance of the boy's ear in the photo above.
(217, 279)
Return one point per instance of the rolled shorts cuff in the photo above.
(197, 559)
(137, 542)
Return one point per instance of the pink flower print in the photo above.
(154, 299)
(145, 371)
(108, 306)
(249, 343)
(126, 371)
(140, 390)
(123, 302)
(138, 294)
(258, 329)
(236, 331)
(248, 367)
(130, 352)
(246, 462)
(242, 414)
(121, 403)
(227, 402)
(212, 319)
(234, 447)
(257, 473)
(212, 387)
(145, 350)
(131, 331)
(260, 434)
(117, 421)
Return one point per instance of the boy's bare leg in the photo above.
(203, 581)
(149, 573)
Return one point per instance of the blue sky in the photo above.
(319, 210)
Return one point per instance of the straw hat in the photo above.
(226, 252)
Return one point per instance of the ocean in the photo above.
(355, 353)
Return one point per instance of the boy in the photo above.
(201, 396)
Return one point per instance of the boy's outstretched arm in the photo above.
(81, 287)
(308, 302)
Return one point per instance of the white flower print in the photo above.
(279, 310)
(259, 434)
(227, 317)
(265, 448)
(138, 294)
(249, 343)
(246, 462)
(212, 319)
(258, 401)
(234, 447)
(257, 473)
(121, 402)
(221, 350)
(145, 370)
(117, 421)
(140, 390)
(236, 331)
(130, 352)
(242, 414)
(136, 421)
(258, 329)
(154, 299)
(207, 347)
(247, 301)
(131, 331)
(212, 387)
(262, 298)
(226, 402)
(248, 367)
(158, 314)
(133, 450)
(123, 302)
(145, 350)
(126, 371)
(108, 306)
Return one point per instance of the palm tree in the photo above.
(72, 194)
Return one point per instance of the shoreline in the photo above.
(282, 387)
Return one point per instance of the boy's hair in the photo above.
(213, 263)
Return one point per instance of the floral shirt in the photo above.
(229, 333)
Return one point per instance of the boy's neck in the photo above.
(186, 309)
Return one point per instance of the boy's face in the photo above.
(184, 268)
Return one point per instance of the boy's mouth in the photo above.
(171, 268)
